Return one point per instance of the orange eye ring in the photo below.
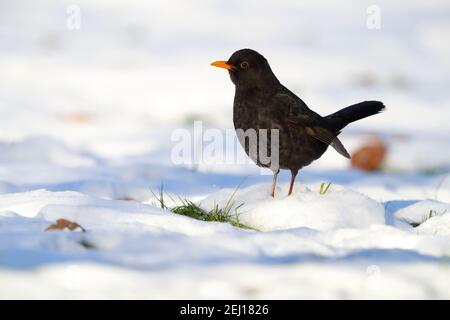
(244, 65)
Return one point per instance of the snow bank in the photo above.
(28, 204)
(431, 216)
(421, 211)
(436, 225)
(284, 281)
(320, 248)
(338, 208)
(93, 213)
(43, 150)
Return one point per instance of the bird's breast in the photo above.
(295, 148)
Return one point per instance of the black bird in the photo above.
(262, 102)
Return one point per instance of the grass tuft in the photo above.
(324, 187)
(431, 214)
(87, 244)
(185, 207)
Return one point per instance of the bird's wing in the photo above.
(298, 114)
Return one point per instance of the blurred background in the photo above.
(91, 107)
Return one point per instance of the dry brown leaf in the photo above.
(62, 224)
(370, 156)
(78, 117)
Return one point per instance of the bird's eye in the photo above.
(244, 65)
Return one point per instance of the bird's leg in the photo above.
(293, 175)
(274, 183)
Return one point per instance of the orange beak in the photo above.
(223, 64)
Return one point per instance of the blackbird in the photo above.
(262, 102)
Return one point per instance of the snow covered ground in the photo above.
(86, 119)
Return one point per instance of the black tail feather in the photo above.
(340, 119)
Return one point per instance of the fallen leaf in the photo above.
(78, 117)
(61, 224)
(370, 156)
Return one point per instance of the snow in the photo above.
(157, 254)
(86, 119)
(306, 208)
(432, 216)
(420, 210)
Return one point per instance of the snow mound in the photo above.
(96, 213)
(420, 211)
(28, 204)
(436, 225)
(338, 208)
(43, 150)
(433, 217)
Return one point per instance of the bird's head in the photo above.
(248, 68)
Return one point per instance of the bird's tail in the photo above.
(342, 118)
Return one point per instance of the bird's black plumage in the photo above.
(262, 102)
